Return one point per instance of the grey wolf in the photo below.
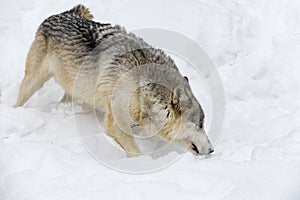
(99, 64)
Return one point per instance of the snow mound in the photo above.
(255, 45)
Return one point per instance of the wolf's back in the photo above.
(75, 30)
(75, 37)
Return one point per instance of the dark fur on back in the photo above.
(73, 28)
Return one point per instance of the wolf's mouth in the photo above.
(194, 148)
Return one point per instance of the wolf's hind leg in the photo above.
(124, 140)
(36, 72)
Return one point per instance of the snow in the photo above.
(255, 46)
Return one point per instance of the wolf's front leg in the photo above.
(66, 98)
(125, 140)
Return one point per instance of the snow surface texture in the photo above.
(255, 45)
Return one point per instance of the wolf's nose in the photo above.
(211, 150)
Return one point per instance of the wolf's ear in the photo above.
(186, 78)
(177, 95)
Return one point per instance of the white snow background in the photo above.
(255, 45)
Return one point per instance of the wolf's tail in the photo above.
(82, 11)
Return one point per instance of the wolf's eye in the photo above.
(194, 148)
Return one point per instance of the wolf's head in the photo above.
(188, 130)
